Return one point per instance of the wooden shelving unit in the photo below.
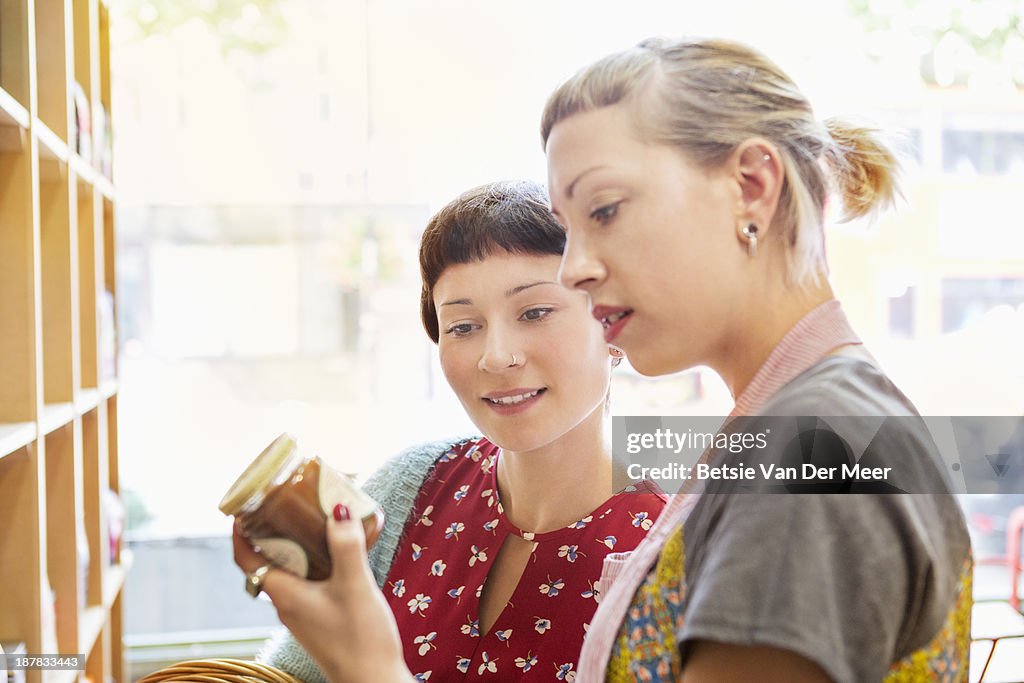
(58, 392)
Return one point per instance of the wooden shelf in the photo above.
(113, 582)
(86, 400)
(15, 436)
(50, 145)
(12, 139)
(105, 187)
(58, 423)
(11, 111)
(89, 175)
(82, 169)
(54, 416)
(90, 624)
(108, 388)
(94, 618)
(14, 120)
(50, 64)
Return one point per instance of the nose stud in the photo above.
(513, 363)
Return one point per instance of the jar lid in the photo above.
(258, 474)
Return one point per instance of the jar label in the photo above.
(284, 553)
(335, 488)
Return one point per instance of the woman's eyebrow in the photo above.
(511, 292)
(572, 186)
(522, 288)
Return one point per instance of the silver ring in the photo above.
(254, 580)
(513, 361)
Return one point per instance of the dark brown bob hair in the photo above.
(513, 217)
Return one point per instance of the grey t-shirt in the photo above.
(852, 582)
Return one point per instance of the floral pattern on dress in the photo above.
(454, 532)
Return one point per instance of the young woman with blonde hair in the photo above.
(692, 178)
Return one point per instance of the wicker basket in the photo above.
(218, 671)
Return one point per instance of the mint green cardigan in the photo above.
(395, 487)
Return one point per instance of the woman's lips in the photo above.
(513, 401)
(613, 319)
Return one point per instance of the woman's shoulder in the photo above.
(643, 492)
(840, 385)
(475, 448)
(859, 417)
(647, 487)
(637, 505)
(415, 462)
(396, 485)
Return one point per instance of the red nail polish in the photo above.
(341, 513)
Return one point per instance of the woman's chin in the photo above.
(514, 444)
(518, 442)
(647, 364)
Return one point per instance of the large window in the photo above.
(983, 152)
(276, 161)
(966, 301)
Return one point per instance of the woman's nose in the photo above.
(579, 269)
(500, 358)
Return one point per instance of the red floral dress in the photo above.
(456, 528)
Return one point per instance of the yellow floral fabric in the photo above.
(946, 658)
(647, 650)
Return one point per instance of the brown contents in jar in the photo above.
(292, 510)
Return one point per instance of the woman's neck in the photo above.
(761, 324)
(553, 486)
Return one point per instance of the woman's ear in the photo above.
(758, 169)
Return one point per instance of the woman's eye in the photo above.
(605, 213)
(536, 314)
(460, 330)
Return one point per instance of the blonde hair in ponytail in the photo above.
(706, 97)
(864, 170)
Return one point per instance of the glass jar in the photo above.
(282, 502)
